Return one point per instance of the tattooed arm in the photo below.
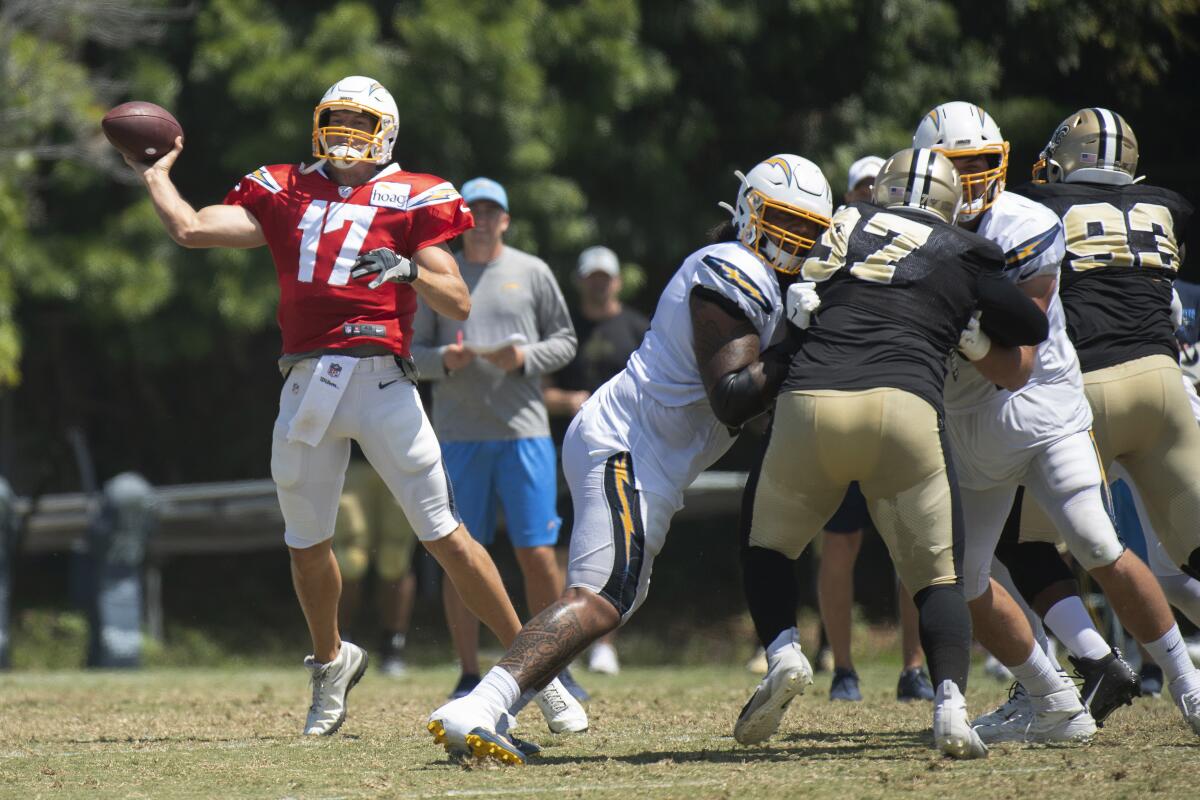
(739, 385)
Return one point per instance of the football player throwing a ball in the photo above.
(350, 214)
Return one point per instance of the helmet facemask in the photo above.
(343, 146)
(980, 189)
(783, 205)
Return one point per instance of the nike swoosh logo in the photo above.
(383, 385)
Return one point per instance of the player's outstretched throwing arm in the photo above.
(211, 226)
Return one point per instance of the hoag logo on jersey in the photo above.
(390, 195)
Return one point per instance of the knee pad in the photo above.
(287, 464)
(1088, 530)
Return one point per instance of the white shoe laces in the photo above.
(318, 686)
(557, 703)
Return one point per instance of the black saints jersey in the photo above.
(897, 287)
(1122, 253)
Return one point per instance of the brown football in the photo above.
(143, 131)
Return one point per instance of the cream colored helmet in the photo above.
(783, 186)
(921, 179)
(962, 129)
(1093, 145)
(343, 147)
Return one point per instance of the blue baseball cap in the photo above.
(485, 189)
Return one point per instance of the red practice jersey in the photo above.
(317, 229)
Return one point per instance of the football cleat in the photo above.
(331, 685)
(571, 685)
(451, 723)
(914, 685)
(1057, 717)
(845, 686)
(505, 727)
(1189, 705)
(952, 733)
(603, 659)
(1017, 703)
(1108, 684)
(786, 679)
(485, 745)
(563, 712)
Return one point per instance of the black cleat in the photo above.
(1108, 684)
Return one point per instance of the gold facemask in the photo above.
(980, 189)
(368, 144)
(789, 246)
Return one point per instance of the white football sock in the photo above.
(1171, 654)
(786, 638)
(498, 690)
(1071, 624)
(1037, 674)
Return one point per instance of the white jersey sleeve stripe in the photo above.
(263, 177)
(442, 193)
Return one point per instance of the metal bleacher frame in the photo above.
(243, 516)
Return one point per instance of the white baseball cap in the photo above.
(865, 167)
(598, 259)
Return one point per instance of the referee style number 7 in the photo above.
(902, 236)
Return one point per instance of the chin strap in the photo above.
(313, 167)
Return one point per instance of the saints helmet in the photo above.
(964, 129)
(922, 179)
(786, 186)
(366, 96)
(1093, 145)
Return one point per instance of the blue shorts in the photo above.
(521, 474)
(851, 516)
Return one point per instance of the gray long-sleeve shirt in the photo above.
(514, 293)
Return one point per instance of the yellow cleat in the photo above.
(485, 744)
(438, 730)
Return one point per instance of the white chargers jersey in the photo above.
(1030, 235)
(656, 409)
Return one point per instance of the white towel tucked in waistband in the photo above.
(325, 389)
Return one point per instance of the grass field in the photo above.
(656, 733)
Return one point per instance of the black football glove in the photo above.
(386, 265)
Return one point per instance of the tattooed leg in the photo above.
(562, 631)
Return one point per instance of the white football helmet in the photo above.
(964, 129)
(783, 186)
(367, 96)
